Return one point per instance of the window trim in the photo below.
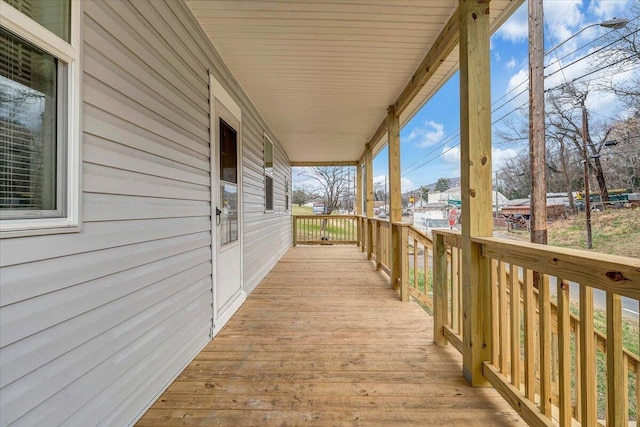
(69, 53)
(271, 175)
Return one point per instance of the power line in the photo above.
(457, 134)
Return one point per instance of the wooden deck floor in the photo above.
(323, 340)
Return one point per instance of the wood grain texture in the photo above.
(323, 340)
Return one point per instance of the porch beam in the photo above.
(475, 149)
(440, 50)
(312, 164)
(377, 137)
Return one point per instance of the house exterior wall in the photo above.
(95, 324)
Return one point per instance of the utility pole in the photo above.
(585, 155)
(537, 148)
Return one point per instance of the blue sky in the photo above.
(429, 142)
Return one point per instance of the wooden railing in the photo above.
(555, 358)
(380, 249)
(325, 229)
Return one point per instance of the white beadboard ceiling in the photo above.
(322, 73)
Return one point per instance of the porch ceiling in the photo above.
(322, 73)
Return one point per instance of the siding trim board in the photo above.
(95, 325)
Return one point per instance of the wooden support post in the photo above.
(440, 289)
(395, 193)
(475, 149)
(359, 230)
(368, 208)
(403, 235)
(295, 229)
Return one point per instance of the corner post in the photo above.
(403, 259)
(368, 183)
(440, 289)
(358, 202)
(475, 138)
(395, 193)
(295, 229)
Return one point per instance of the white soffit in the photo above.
(322, 73)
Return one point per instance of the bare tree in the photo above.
(379, 192)
(570, 119)
(334, 184)
(302, 194)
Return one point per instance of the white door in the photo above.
(227, 218)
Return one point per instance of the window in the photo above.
(286, 194)
(39, 116)
(268, 174)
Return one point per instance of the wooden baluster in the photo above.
(425, 256)
(440, 290)
(459, 285)
(515, 325)
(544, 321)
(616, 368)
(455, 292)
(587, 357)
(369, 225)
(378, 246)
(503, 324)
(495, 315)
(529, 331)
(637, 389)
(564, 353)
(578, 378)
(403, 235)
(415, 264)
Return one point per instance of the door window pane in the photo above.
(29, 119)
(54, 15)
(228, 153)
(229, 215)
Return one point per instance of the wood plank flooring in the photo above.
(324, 341)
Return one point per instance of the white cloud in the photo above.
(451, 155)
(499, 156)
(511, 64)
(405, 183)
(379, 178)
(608, 9)
(430, 134)
(516, 28)
(517, 81)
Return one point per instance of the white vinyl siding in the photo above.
(95, 324)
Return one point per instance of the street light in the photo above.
(614, 24)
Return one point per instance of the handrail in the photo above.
(325, 229)
(545, 367)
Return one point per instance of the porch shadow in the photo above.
(323, 340)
